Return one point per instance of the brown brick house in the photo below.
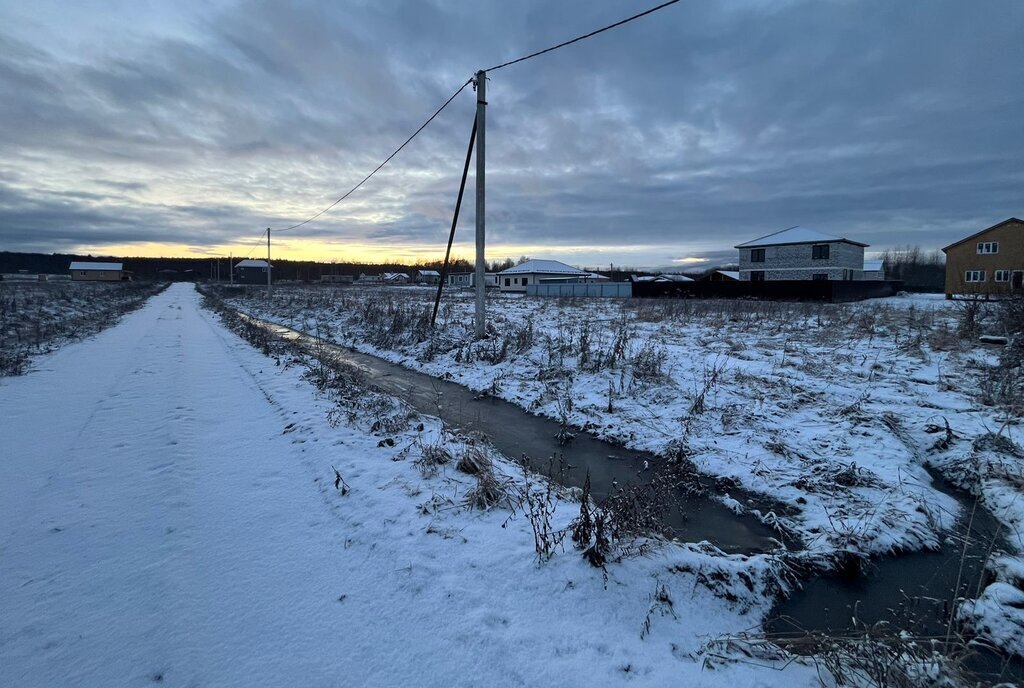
(989, 263)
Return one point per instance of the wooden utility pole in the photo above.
(481, 267)
(231, 267)
(268, 262)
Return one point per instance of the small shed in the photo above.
(88, 271)
(250, 271)
(874, 270)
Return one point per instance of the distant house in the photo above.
(660, 278)
(428, 276)
(87, 271)
(874, 270)
(799, 253)
(468, 279)
(721, 276)
(395, 278)
(251, 271)
(517, 278)
(990, 262)
(369, 279)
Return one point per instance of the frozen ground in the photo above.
(833, 411)
(36, 317)
(168, 515)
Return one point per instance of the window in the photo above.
(975, 276)
(988, 247)
(757, 275)
(525, 280)
(820, 276)
(756, 255)
(819, 252)
(1001, 276)
(508, 281)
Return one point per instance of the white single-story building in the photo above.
(88, 271)
(517, 278)
(396, 278)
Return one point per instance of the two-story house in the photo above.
(799, 253)
(990, 262)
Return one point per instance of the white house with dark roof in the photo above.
(517, 278)
(799, 253)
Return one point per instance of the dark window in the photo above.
(757, 275)
(819, 252)
(820, 276)
(524, 280)
(757, 255)
(507, 281)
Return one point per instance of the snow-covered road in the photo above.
(162, 520)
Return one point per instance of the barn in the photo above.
(88, 271)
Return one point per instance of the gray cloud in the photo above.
(679, 135)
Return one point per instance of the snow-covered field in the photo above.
(168, 514)
(832, 411)
(36, 317)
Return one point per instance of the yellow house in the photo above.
(989, 263)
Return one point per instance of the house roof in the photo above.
(250, 263)
(734, 274)
(978, 234)
(552, 267)
(872, 265)
(796, 235)
(86, 265)
(430, 273)
(597, 276)
(395, 275)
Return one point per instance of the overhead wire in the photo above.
(583, 37)
(455, 95)
(378, 167)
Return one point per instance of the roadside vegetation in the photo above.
(836, 412)
(37, 317)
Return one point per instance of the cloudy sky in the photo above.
(144, 127)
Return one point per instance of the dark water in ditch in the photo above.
(910, 590)
(516, 433)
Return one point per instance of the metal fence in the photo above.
(771, 290)
(606, 290)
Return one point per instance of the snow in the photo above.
(250, 263)
(734, 274)
(168, 514)
(543, 266)
(86, 265)
(794, 235)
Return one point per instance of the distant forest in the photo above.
(189, 269)
(918, 269)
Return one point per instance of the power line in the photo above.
(583, 37)
(386, 161)
(457, 92)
